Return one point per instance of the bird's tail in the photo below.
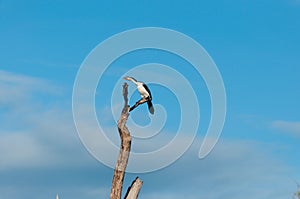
(150, 107)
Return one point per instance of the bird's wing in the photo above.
(148, 90)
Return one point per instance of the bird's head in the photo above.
(130, 79)
(127, 78)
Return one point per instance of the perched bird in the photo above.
(144, 92)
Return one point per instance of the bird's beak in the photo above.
(126, 78)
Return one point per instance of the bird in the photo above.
(144, 92)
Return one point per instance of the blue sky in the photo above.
(255, 45)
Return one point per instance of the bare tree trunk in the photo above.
(117, 183)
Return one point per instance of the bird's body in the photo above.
(144, 92)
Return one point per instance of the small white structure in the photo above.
(56, 196)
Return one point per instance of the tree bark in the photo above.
(119, 172)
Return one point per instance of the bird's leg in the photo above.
(141, 101)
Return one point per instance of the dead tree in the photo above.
(124, 152)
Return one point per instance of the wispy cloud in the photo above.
(294, 2)
(16, 89)
(291, 127)
(235, 169)
(20, 150)
(33, 132)
(41, 154)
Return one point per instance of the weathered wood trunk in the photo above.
(119, 172)
(134, 189)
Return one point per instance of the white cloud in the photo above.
(34, 133)
(292, 128)
(19, 149)
(46, 140)
(46, 144)
(15, 88)
(235, 169)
